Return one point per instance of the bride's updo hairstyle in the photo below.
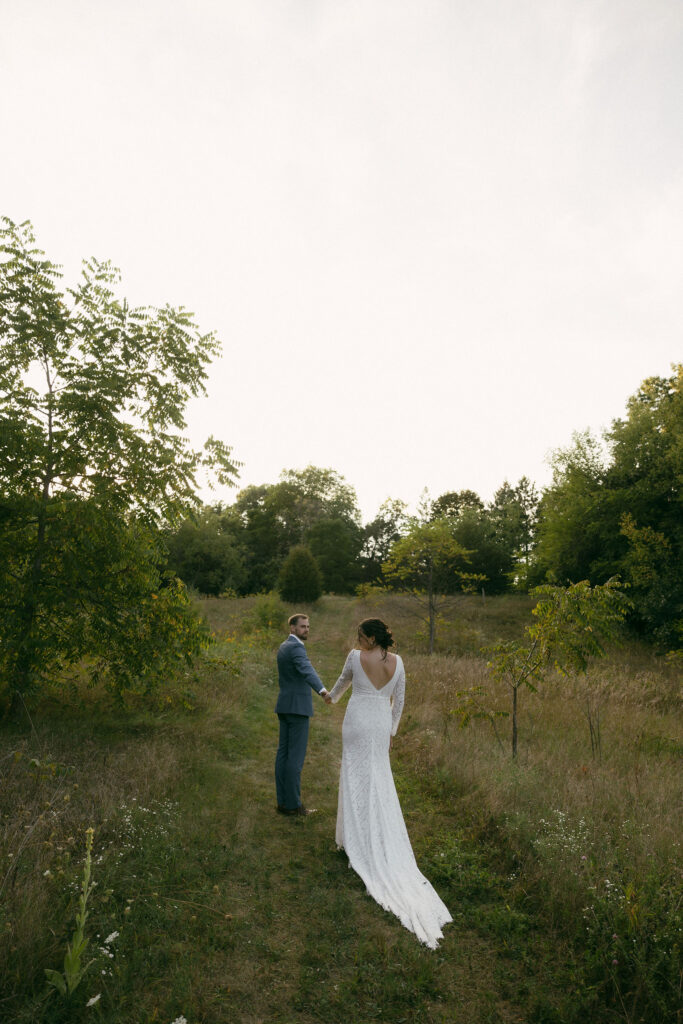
(375, 629)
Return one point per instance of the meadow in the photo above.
(562, 869)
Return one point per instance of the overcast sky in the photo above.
(434, 236)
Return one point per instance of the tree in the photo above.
(654, 575)
(617, 510)
(489, 558)
(572, 624)
(300, 578)
(335, 543)
(424, 564)
(205, 555)
(324, 494)
(271, 519)
(453, 503)
(571, 535)
(390, 523)
(513, 516)
(93, 462)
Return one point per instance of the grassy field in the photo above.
(562, 871)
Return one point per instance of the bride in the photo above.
(370, 824)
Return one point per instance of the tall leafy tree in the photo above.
(452, 504)
(513, 516)
(572, 534)
(336, 544)
(620, 509)
(93, 461)
(324, 494)
(489, 556)
(390, 523)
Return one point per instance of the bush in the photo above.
(268, 612)
(300, 578)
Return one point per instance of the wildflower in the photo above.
(110, 938)
(584, 857)
(179, 1020)
(95, 999)
(615, 962)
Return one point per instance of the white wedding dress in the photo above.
(370, 824)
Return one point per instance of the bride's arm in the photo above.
(397, 700)
(344, 681)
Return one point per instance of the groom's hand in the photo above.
(327, 698)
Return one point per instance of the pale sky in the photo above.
(434, 237)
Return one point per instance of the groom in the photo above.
(294, 708)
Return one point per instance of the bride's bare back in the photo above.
(379, 670)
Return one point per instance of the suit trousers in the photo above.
(289, 760)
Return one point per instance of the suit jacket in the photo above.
(297, 678)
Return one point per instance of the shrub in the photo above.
(300, 578)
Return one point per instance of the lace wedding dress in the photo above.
(370, 824)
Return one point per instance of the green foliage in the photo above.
(426, 563)
(473, 706)
(67, 982)
(300, 578)
(452, 504)
(620, 511)
(498, 537)
(324, 493)
(92, 463)
(380, 534)
(513, 515)
(335, 544)
(268, 520)
(489, 558)
(268, 612)
(572, 624)
(427, 557)
(205, 555)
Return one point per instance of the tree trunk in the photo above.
(432, 612)
(514, 721)
(27, 615)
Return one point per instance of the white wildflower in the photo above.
(95, 999)
(110, 938)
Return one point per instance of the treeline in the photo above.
(244, 548)
(613, 508)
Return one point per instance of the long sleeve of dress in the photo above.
(397, 701)
(344, 681)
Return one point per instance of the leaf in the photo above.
(55, 979)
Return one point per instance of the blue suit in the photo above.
(294, 708)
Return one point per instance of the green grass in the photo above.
(228, 912)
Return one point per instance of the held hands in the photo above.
(326, 697)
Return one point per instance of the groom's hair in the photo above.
(293, 619)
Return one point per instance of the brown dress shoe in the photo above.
(287, 810)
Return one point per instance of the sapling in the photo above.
(572, 625)
(67, 982)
